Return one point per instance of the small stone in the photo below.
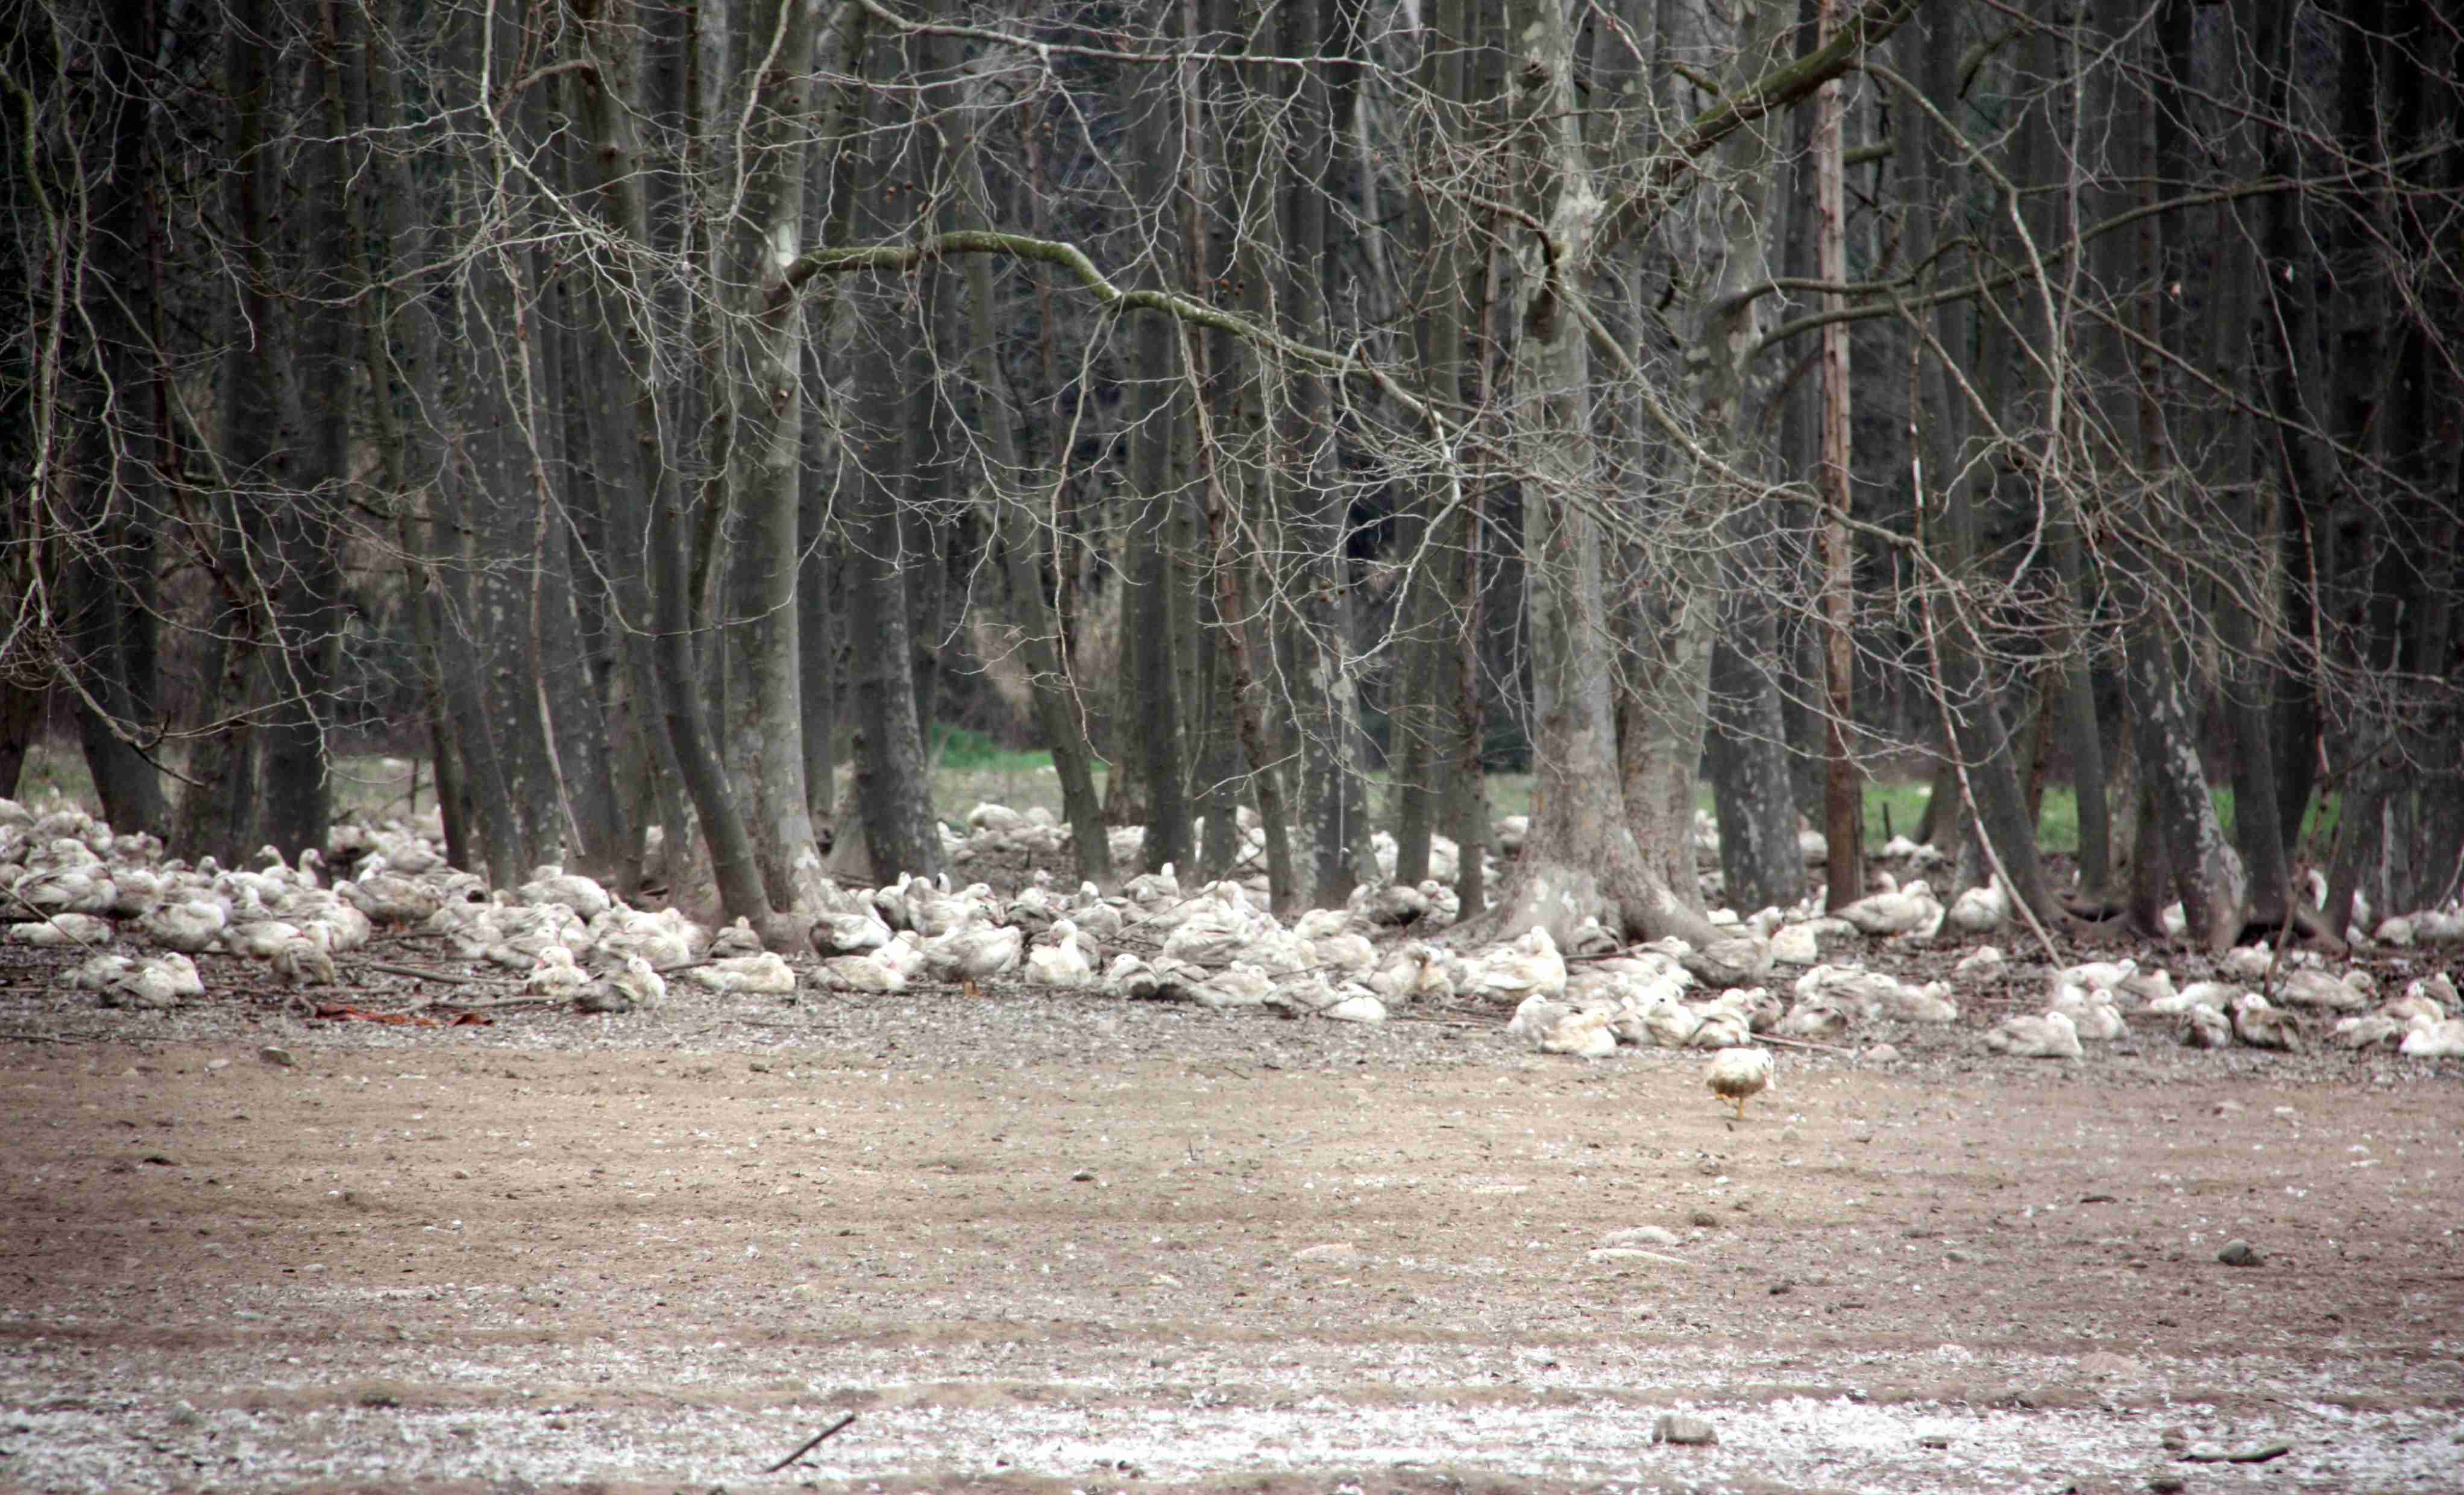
(2167, 1484)
(1675, 1427)
(217, 1064)
(1642, 1236)
(758, 1068)
(1329, 1251)
(1934, 1440)
(1955, 1254)
(2241, 1253)
(1704, 1219)
(1083, 1176)
(1883, 1053)
(278, 1056)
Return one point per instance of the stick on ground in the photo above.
(811, 1443)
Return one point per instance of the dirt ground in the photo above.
(1046, 1243)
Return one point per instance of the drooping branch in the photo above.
(1069, 257)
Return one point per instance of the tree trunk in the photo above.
(1842, 799)
(21, 718)
(1018, 532)
(647, 498)
(1752, 793)
(1983, 749)
(2163, 707)
(894, 782)
(766, 399)
(108, 601)
(259, 417)
(297, 804)
(1583, 856)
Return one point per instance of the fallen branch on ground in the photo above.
(811, 1443)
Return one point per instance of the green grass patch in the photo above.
(973, 752)
(366, 785)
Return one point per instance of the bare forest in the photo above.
(1543, 575)
(670, 421)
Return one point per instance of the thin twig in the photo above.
(44, 914)
(1801, 1043)
(417, 974)
(811, 1443)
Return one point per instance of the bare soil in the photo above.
(1046, 1243)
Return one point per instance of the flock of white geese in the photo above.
(1789, 975)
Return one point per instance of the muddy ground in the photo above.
(1049, 1243)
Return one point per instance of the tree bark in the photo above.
(893, 783)
(1019, 530)
(1585, 855)
(1984, 750)
(1842, 798)
(108, 594)
(766, 397)
(2164, 710)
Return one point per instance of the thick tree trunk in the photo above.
(892, 778)
(765, 394)
(1584, 856)
(1752, 793)
(648, 499)
(2164, 703)
(108, 595)
(259, 413)
(297, 805)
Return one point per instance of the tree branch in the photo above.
(1772, 91)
